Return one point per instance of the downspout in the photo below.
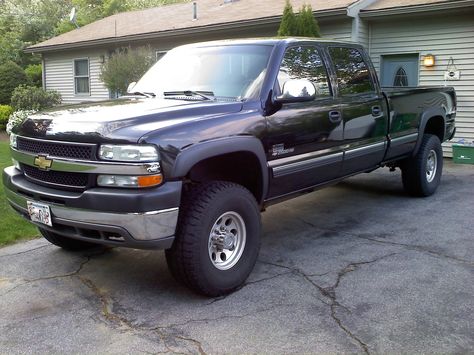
(43, 72)
(353, 11)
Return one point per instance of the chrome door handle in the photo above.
(335, 116)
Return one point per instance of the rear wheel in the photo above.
(66, 243)
(421, 174)
(217, 240)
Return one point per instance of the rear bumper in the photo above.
(143, 219)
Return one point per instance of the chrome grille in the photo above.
(57, 149)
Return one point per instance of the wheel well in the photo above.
(243, 168)
(435, 125)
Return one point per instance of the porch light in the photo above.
(429, 60)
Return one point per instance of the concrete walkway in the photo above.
(359, 267)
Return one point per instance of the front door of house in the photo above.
(400, 70)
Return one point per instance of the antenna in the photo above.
(72, 17)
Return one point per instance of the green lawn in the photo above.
(12, 226)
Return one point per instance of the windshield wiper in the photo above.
(205, 95)
(142, 93)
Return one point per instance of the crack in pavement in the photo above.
(25, 251)
(240, 316)
(330, 292)
(412, 247)
(418, 248)
(125, 324)
(87, 259)
(220, 298)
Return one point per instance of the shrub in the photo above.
(5, 112)
(34, 98)
(34, 74)
(17, 118)
(11, 76)
(125, 66)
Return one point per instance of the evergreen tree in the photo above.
(289, 24)
(307, 24)
(302, 24)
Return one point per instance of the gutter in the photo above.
(447, 5)
(177, 32)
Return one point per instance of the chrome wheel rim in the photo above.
(431, 166)
(227, 240)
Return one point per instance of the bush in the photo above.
(5, 112)
(11, 75)
(125, 66)
(17, 118)
(34, 74)
(34, 98)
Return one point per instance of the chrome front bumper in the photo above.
(142, 230)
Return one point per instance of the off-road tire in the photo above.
(189, 259)
(415, 171)
(66, 243)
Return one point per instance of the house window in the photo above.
(401, 78)
(81, 76)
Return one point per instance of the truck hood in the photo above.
(121, 120)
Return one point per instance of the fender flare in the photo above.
(214, 148)
(424, 118)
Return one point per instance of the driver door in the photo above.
(303, 141)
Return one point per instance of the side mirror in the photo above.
(131, 86)
(298, 90)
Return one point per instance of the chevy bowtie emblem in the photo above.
(42, 162)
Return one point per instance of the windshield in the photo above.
(229, 71)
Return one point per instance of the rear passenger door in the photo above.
(363, 109)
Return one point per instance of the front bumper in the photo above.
(142, 219)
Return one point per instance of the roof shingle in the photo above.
(180, 16)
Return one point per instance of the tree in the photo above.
(307, 24)
(11, 76)
(301, 24)
(26, 22)
(125, 66)
(289, 24)
(34, 73)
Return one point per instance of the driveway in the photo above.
(358, 267)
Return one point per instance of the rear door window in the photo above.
(352, 71)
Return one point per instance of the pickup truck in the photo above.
(213, 134)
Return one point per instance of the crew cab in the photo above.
(212, 135)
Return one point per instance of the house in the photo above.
(411, 42)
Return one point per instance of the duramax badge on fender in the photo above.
(213, 134)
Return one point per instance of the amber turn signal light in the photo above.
(150, 180)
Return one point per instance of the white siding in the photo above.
(444, 37)
(59, 74)
(339, 30)
(363, 35)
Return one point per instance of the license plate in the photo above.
(39, 213)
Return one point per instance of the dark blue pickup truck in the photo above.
(209, 137)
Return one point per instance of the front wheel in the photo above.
(217, 240)
(421, 174)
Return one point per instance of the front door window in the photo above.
(400, 70)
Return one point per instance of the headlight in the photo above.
(129, 181)
(13, 138)
(128, 153)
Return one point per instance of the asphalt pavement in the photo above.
(359, 267)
